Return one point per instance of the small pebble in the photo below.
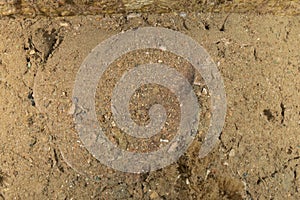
(64, 24)
(187, 181)
(232, 153)
(207, 173)
(154, 195)
(182, 14)
(162, 140)
(72, 109)
(204, 91)
(133, 15)
(32, 52)
(163, 48)
(29, 65)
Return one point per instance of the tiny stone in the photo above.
(232, 153)
(65, 13)
(77, 27)
(182, 14)
(207, 173)
(198, 79)
(133, 15)
(154, 195)
(163, 48)
(29, 65)
(204, 91)
(72, 109)
(162, 140)
(64, 24)
(32, 52)
(187, 181)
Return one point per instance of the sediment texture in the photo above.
(94, 7)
